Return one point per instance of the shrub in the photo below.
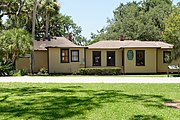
(100, 71)
(43, 71)
(5, 68)
(177, 75)
(21, 72)
(24, 72)
(17, 73)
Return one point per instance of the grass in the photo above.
(44, 101)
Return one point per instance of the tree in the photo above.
(49, 22)
(18, 12)
(14, 43)
(46, 10)
(172, 31)
(137, 20)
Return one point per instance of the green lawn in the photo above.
(27, 101)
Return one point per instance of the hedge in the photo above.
(100, 71)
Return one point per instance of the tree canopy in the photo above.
(49, 21)
(14, 43)
(172, 31)
(147, 20)
(142, 20)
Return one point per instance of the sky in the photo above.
(91, 15)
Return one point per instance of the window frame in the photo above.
(93, 58)
(65, 56)
(164, 52)
(143, 51)
(74, 56)
(113, 53)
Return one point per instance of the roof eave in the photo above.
(65, 47)
(103, 48)
(40, 49)
(141, 47)
(166, 47)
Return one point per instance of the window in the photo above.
(64, 55)
(140, 58)
(96, 58)
(110, 58)
(74, 55)
(166, 56)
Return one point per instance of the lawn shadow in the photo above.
(45, 103)
(56, 103)
(145, 117)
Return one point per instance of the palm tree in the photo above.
(47, 9)
(14, 43)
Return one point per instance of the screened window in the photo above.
(64, 55)
(74, 55)
(96, 58)
(110, 58)
(140, 58)
(166, 56)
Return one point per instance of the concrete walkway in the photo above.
(90, 79)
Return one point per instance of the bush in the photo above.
(43, 71)
(17, 73)
(100, 71)
(24, 72)
(5, 68)
(21, 72)
(177, 75)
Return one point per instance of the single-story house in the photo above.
(59, 55)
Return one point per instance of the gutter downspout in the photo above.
(123, 62)
(48, 58)
(85, 57)
(157, 60)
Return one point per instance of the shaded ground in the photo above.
(87, 101)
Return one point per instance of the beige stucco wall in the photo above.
(162, 67)
(150, 61)
(89, 57)
(40, 59)
(55, 65)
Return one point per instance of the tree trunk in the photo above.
(47, 21)
(33, 34)
(47, 25)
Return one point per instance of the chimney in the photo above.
(70, 36)
(121, 38)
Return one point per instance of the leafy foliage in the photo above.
(172, 31)
(21, 72)
(49, 21)
(43, 71)
(137, 20)
(5, 68)
(14, 43)
(100, 71)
